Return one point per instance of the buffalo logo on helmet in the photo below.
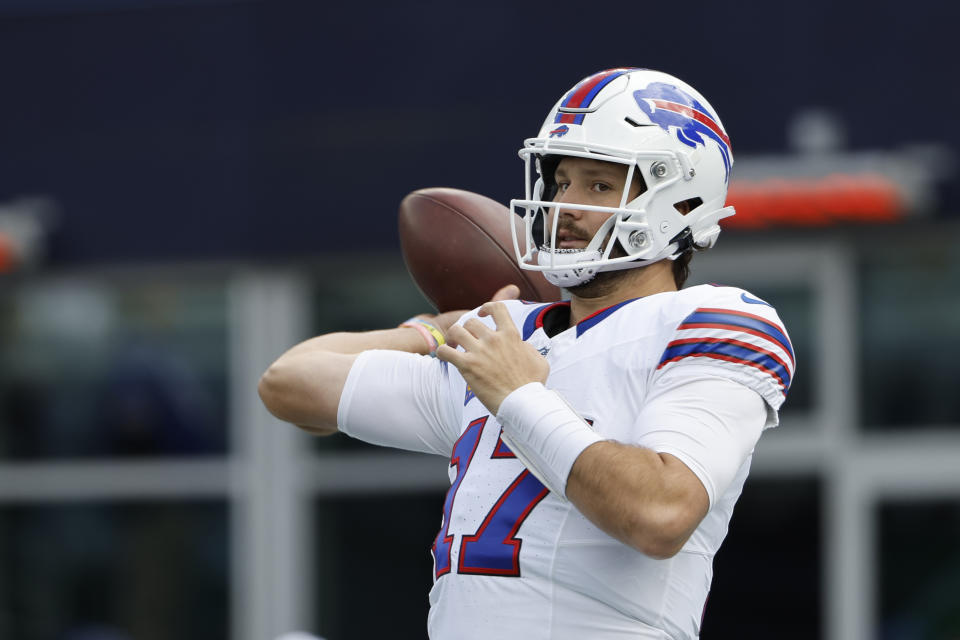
(560, 131)
(668, 106)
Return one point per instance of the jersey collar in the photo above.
(535, 318)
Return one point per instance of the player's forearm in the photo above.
(396, 339)
(304, 385)
(651, 501)
(648, 500)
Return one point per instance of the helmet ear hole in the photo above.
(688, 205)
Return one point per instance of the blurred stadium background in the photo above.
(187, 187)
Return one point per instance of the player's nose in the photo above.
(567, 202)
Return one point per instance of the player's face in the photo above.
(590, 182)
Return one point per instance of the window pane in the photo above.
(93, 367)
(766, 581)
(150, 572)
(377, 546)
(375, 292)
(910, 336)
(919, 569)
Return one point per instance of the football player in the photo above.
(597, 445)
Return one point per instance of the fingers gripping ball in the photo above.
(458, 248)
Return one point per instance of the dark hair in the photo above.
(681, 268)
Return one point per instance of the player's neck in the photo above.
(621, 286)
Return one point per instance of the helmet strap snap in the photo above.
(684, 241)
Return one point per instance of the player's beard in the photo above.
(604, 282)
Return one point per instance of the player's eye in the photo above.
(601, 187)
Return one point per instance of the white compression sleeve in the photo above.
(398, 399)
(711, 424)
(544, 433)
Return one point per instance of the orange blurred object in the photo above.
(8, 254)
(814, 202)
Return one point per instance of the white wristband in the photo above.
(544, 433)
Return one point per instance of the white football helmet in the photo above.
(659, 127)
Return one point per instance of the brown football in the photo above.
(458, 248)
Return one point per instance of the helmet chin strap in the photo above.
(566, 274)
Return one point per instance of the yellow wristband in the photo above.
(436, 333)
(430, 333)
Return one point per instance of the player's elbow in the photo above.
(660, 546)
(274, 391)
(662, 533)
(278, 390)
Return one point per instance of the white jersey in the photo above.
(513, 560)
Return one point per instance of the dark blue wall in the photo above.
(174, 129)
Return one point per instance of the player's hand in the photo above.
(444, 321)
(494, 362)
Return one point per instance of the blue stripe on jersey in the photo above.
(592, 320)
(740, 319)
(730, 352)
